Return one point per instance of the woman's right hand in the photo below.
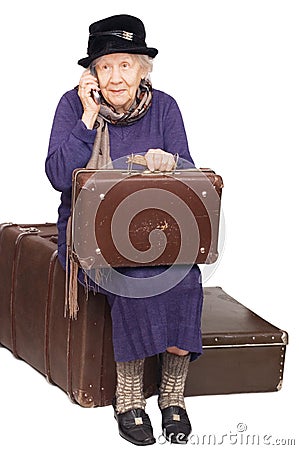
(87, 83)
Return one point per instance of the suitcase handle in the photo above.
(140, 160)
(54, 239)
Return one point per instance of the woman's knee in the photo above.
(177, 351)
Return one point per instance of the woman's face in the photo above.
(119, 76)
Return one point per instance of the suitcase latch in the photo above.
(29, 229)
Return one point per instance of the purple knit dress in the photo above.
(141, 326)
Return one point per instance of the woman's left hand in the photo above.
(158, 159)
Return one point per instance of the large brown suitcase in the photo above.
(242, 351)
(76, 355)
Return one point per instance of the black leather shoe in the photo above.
(176, 425)
(135, 426)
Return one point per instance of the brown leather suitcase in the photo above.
(76, 355)
(137, 218)
(242, 351)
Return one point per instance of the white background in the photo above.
(233, 68)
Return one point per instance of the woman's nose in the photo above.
(115, 75)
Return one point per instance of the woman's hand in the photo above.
(158, 159)
(87, 83)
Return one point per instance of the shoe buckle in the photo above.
(138, 421)
(176, 417)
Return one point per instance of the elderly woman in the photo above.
(112, 113)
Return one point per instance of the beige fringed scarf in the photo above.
(100, 158)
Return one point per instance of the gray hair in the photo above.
(145, 62)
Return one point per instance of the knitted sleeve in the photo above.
(175, 137)
(70, 142)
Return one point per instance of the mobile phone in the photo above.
(95, 94)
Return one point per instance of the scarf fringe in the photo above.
(71, 290)
(71, 281)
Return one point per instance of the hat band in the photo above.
(127, 35)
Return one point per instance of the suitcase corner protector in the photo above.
(279, 386)
(83, 398)
(284, 337)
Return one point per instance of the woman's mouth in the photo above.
(117, 91)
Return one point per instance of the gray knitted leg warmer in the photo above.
(129, 388)
(174, 373)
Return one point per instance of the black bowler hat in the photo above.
(116, 34)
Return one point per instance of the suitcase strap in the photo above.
(24, 232)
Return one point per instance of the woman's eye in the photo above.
(125, 65)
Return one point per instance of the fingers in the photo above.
(158, 159)
(87, 84)
(88, 80)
